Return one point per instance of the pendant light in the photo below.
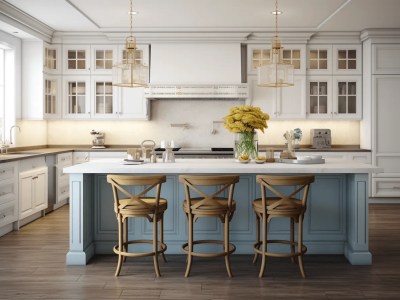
(276, 73)
(131, 72)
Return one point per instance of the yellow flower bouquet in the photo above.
(244, 120)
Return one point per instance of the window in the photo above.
(7, 90)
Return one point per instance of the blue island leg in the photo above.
(356, 247)
(81, 243)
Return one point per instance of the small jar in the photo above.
(270, 155)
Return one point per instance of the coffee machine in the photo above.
(321, 138)
(98, 140)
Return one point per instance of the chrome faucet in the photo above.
(14, 126)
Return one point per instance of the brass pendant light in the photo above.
(276, 73)
(131, 72)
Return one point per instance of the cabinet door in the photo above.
(291, 101)
(40, 191)
(347, 97)
(52, 97)
(104, 104)
(386, 59)
(103, 57)
(132, 104)
(76, 59)
(265, 98)
(76, 97)
(386, 107)
(319, 59)
(25, 196)
(347, 59)
(319, 97)
(52, 58)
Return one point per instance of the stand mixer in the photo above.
(98, 141)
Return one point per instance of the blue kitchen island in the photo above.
(336, 221)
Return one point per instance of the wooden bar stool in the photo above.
(139, 205)
(279, 205)
(208, 205)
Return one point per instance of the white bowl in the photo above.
(244, 161)
(304, 158)
(316, 157)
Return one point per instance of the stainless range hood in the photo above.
(196, 71)
(197, 91)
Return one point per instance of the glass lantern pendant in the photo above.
(131, 72)
(276, 73)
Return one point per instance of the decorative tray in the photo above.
(301, 162)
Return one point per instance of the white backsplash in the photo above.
(198, 114)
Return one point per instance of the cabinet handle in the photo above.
(396, 187)
(35, 177)
(3, 171)
(3, 216)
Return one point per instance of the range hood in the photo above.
(196, 71)
(197, 91)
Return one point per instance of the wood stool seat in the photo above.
(276, 204)
(138, 205)
(208, 205)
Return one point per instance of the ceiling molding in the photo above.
(19, 19)
(381, 34)
(82, 13)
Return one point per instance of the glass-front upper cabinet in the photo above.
(104, 98)
(291, 54)
(319, 59)
(76, 91)
(103, 58)
(76, 59)
(319, 97)
(52, 99)
(347, 97)
(51, 59)
(347, 59)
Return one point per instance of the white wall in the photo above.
(199, 114)
(33, 133)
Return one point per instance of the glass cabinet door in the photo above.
(347, 97)
(50, 96)
(104, 101)
(347, 60)
(318, 97)
(76, 97)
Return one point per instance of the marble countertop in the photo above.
(219, 166)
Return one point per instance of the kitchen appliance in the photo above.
(321, 138)
(98, 140)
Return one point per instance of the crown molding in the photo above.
(381, 35)
(19, 19)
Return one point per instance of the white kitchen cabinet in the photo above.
(292, 54)
(52, 97)
(104, 100)
(132, 104)
(76, 59)
(347, 59)
(385, 141)
(52, 58)
(62, 179)
(76, 97)
(285, 103)
(103, 57)
(386, 59)
(32, 192)
(8, 196)
(319, 97)
(319, 59)
(347, 97)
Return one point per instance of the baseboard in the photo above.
(384, 200)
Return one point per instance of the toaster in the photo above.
(321, 138)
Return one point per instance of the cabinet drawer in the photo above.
(32, 163)
(8, 213)
(7, 171)
(64, 159)
(7, 191)
(63, 192)
(386, 187)
(80, 157)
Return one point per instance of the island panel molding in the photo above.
(336, 223)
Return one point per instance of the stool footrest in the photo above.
(160, 245)
(258, 245)
(232, 248)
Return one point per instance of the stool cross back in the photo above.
(203, 204)
(281, 205)
(128, 205)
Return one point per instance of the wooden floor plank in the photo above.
(32, 266)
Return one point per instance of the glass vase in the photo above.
(246, 143)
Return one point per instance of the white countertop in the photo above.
(219, 166)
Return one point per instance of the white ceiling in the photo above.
(212, 15)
